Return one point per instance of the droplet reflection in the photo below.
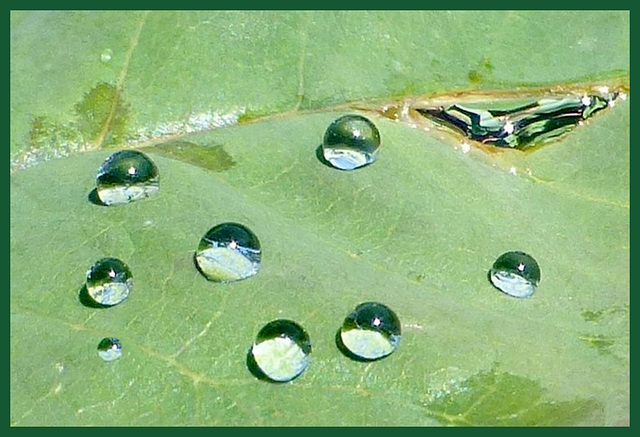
(350, 142)
(280, 352)
(109, 349)
(109, 282)
(125, 177)
(228, 252)
(372, 331)
(516, 274)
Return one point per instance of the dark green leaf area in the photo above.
(609, 330)
(102, 114)
(505, 399)
(100, 119)
(212, 157)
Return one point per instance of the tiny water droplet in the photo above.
(109, 281)
(350, 142)
(280, 352)
(228, 252)
(516, 274)
(106, 55)
(109, 349)
(126, 176)
(372, 331)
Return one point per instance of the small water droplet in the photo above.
(372, 331)
(280, 352)
(106, 55)
(516, 274)
(126, 176)
(350, 142)
(228, 252)
(109, 281)
(109, 349)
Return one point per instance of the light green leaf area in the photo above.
(417, 230)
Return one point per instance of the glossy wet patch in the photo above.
(212, 157)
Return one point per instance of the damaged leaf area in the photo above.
(516, 123)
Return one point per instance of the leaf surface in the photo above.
(232, 107)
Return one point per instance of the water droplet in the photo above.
(106, 55)
(516, 274)
(228, 252)
(372, 331)
(126, 176)
(280, 352)
(109, 349)
(109, 281)
(351, 141)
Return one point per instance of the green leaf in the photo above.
(232, 107)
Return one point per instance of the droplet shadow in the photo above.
(489, 279)
(199, 269)
(196, 265)
(93, 198)
(320, 157)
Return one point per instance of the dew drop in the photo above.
(109, 349)
(228, 252)
(109, 281)
(372, 331)
(126, 176)
(106, 55)
(516, 274)
(350, 142)
(280, 352)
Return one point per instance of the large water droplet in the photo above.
(351, 141)
(109, 349)
(109, 281)
(280, 352)
(516, 274)
(228, 252)
(372, 331)
(126, 176)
